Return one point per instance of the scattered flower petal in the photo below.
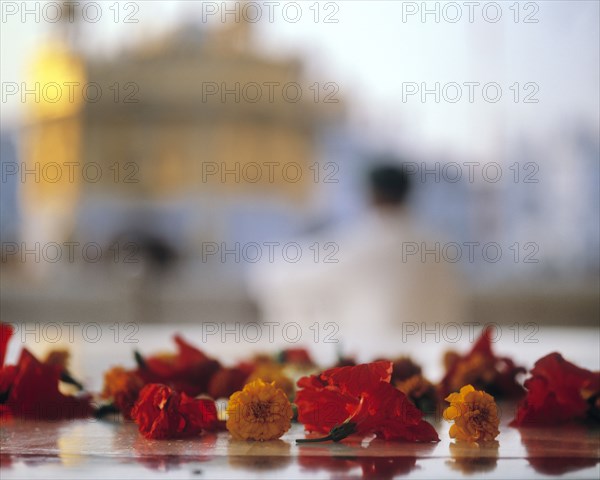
(162, 413)
(558, 391)
(123, 387)
(189, 371)
(482, 369)
(360, 399)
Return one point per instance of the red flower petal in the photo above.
(322, 408)
(7, 378)
(188, 354)
(161, 413)
(499, 378)
(361, 398)
(484, 344)
(392, 416)
(34, 392)
(6, 331)
(296, 355)
(189, 371)
(359, 378)
(555, 392)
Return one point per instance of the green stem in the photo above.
(337, 433)
(141, 363)
(105, 410)
(66, 377)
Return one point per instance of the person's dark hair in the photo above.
(389, 184)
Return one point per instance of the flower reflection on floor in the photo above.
(259, 456)
(365, 461)
(472, 458)
(152, 454)
(572, 456)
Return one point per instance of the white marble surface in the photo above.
(114, 449)
(90, 449)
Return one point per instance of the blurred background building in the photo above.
(158, 131)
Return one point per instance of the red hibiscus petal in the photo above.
(189, 371)
(6, 331)
(561, 374)
(422, 432)
(360, 396)
(311, 381)
(554, 392)
(484, 344)
(34, 392)
(296, 355)
(319, 410)
(359, 378)
(503, 371)
(202, 413)
(188, 353)
(391, 415)
(7, 378)
(162, 413)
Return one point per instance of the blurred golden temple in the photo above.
(186, 138)
(198, 136)
(193, 123)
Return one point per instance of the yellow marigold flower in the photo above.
(475, 415)
(261, 411)
(271, 372)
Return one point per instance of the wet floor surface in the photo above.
(113, 449)
(108, 449)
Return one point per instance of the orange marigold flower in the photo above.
(227, 381)
(57, 357)
(415, 386)
(475, 415)
(123, 386)
(420, 391)
(483, 369)
(271, 372)
(477, 368)
(404, 368)
(261, 411)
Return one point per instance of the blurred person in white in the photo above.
(385, 273)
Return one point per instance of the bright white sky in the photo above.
(371, 52)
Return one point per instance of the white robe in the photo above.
(379, 287)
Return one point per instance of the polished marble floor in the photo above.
(114, 450)
(92, 449)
